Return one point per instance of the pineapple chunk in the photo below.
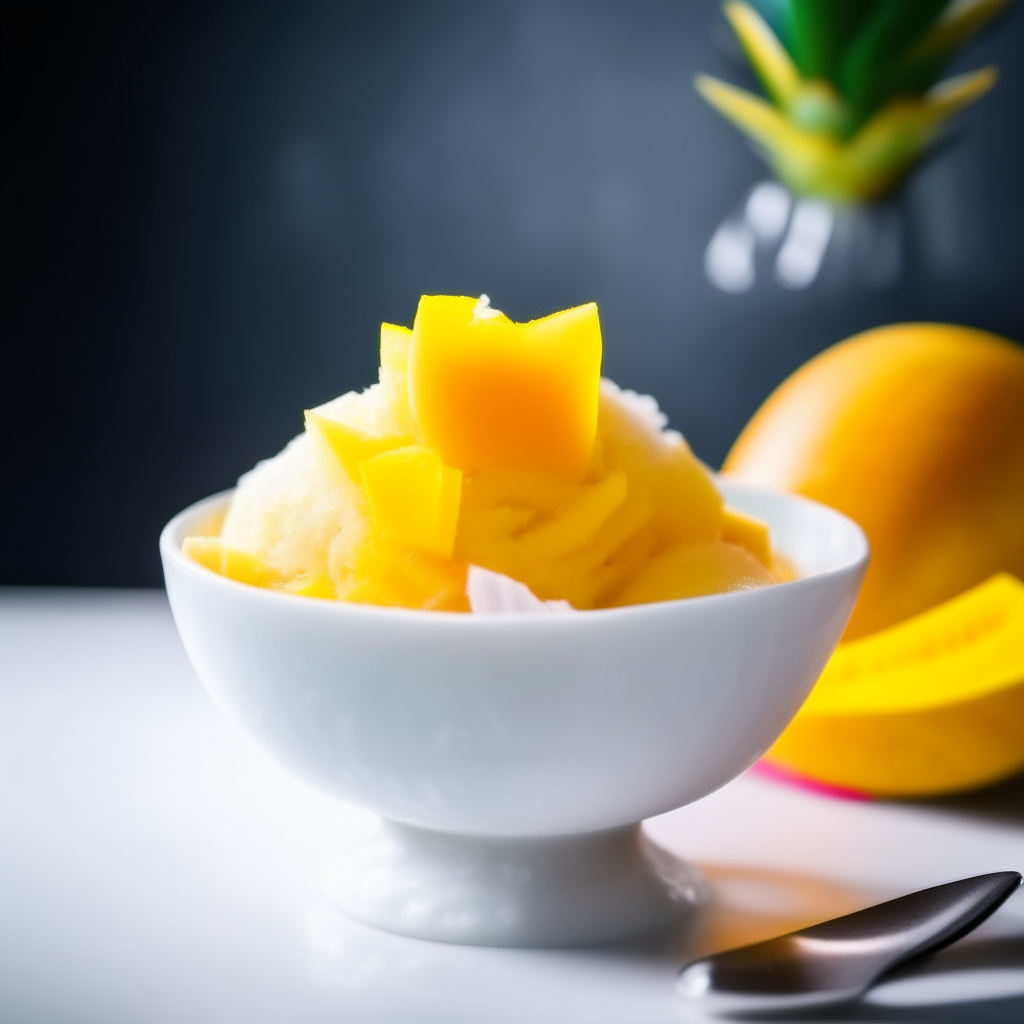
(414, 498)
(490, 393)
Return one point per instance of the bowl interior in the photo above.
(815, 538)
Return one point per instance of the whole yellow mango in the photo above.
(916, 431)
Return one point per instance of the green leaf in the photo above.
(961, 20)
(778, 14)
(766, 54)
(892, 28)
(820, 33)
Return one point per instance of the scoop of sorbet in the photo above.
(494, 444)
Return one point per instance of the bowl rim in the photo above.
(172, 535)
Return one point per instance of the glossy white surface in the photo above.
(519, 726)
(155, 867)
(513, 891)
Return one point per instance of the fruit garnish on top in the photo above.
(496, 444)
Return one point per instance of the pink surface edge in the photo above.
(775, 772)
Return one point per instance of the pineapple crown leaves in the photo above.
(854, 101)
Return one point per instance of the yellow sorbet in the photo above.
(491, 443)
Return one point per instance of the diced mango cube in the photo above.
(385, 573)
(414, 498)
(351, 445)
(749, 532)
(487, 392)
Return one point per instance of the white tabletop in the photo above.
(155, 867)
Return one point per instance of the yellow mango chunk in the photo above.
(932, 705)
(307, 585)
(693, 570)
(687, 505)
(749, 532)
(207, 551)
(414, 498)
(576, 523)
(394, 350)
(351, 445)
(394, 377)
(582, 542)
(487, 392)
(214, 554)
(587, 576)
(551, 545)
(385, 573)
(246, 568)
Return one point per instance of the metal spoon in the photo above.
(837, 961)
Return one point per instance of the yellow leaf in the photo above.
(768, 56)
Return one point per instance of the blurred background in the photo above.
(209, 207)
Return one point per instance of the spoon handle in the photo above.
(838, 960)
(921, 922)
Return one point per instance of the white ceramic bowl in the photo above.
(482, 739)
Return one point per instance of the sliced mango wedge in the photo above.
(932, 705)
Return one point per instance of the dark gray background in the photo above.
(208, 208)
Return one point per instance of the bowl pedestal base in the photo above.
(513, 891)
